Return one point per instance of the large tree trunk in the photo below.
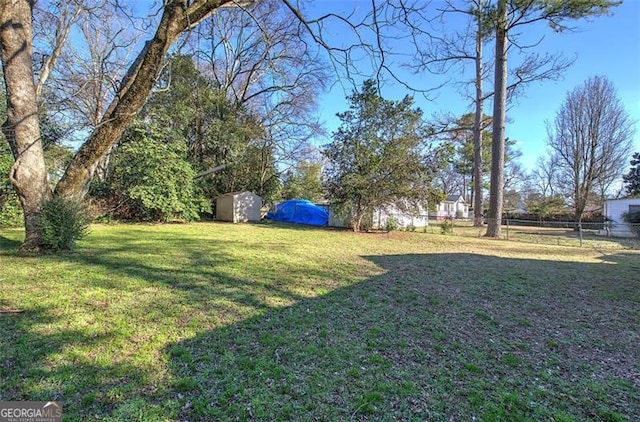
(130, 98)
(356, 220)
(21, 128)
(580, 202)
(477, 128)
(133, 93)
(499, 118)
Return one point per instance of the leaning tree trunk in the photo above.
(133, 93)
(22, 128)
(499, 117)
(129, 100)
(22, 131)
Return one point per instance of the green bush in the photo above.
(151, 179)
(10, 210)
(446, 226)
(391, 224)
(63, 222)
(633, 219)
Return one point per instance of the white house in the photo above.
(614, 209)
(410, 216)
(239, 207)
(454, 206)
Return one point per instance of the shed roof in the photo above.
(237, 193)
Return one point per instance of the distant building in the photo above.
(415, 216)
(454, 206)
(614, 209)
(239, 207)
(403, 217)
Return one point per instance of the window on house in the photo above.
(634, 209)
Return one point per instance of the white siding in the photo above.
(224, 208)
(378, 218)
(403, 219)
(614, 209)
(452, 209)
(240, 207)
(247, 207)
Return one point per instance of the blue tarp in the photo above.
(300, 211)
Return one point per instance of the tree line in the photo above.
(227, 90)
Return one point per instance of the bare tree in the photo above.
(51, 39)
(514, 174)
(545, 176)
(264, 61)
(86, 78)
(450, 181)
(590, 139)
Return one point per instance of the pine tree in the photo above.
(632, 179)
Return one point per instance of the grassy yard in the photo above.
(556, 234)
(273, 322)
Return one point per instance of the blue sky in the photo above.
(606, 45)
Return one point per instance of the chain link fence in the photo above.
(607, 235)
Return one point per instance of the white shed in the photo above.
(614, 209)
(238, 207)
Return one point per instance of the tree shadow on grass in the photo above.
(436, 337)
(9, 244)
(197, 279)
(116, 303)
(29, 369)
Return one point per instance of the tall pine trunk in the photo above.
(22, 127)
(499, 117)
(477, 128)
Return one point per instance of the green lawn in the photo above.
(272, 322)
(545, 233)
